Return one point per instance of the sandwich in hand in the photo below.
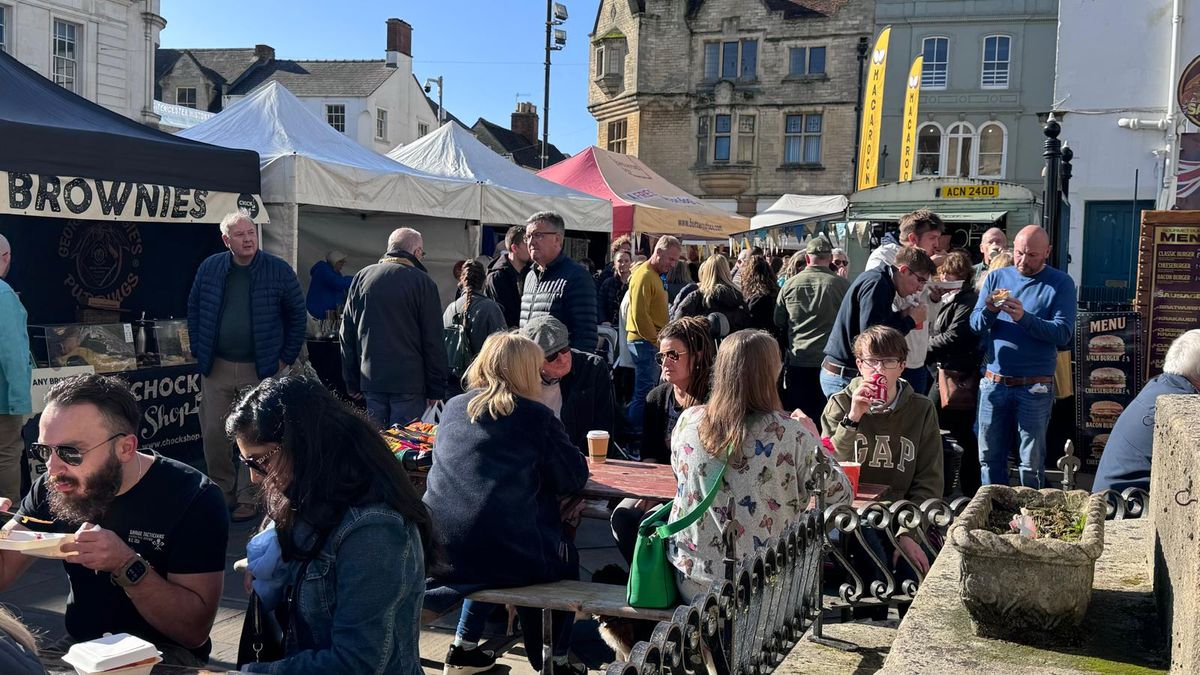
(999, 295)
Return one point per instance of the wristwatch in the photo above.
(131, 572)
(848, 423)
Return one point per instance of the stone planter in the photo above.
(1021, 589)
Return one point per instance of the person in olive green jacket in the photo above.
(805, 311)
(895, 437)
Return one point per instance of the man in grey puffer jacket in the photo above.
(556, 285)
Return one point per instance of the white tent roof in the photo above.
(798, 209)
(510, 193)
(305, 161)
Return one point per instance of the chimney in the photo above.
(525, 121)
(399, 41)
(264, 53)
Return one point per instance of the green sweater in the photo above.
(900, 448)
(806, 308)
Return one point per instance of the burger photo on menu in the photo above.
(1107, 378)
(1104, 413)
(1106, 345)
(1098, 444)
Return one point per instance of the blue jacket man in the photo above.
(16, 377)
(1126, 460)
(246, 319)
(557, 285)
(327, 285)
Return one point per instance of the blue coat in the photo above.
(326, 289)
(1126, 459)
(493, 492)
(16, 374)
(276, 311)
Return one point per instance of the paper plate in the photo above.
(39, 544)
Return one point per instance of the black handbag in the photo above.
(262, 636)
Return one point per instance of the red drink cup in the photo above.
(852, 469)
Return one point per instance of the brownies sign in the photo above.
(29, 194)
(1108, 358)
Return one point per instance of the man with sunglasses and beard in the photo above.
(148, 555)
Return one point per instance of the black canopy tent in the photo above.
(45, 129)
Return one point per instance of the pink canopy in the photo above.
(642, 200)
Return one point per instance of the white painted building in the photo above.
(1117, 66)
(102, 50)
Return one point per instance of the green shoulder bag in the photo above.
(651, 575)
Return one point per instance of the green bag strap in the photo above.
(700, 509)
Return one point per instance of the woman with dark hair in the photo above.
(771, 459)
(340, 503)
(760, 288)
(478, 314)
(678, 278)
(613, 288)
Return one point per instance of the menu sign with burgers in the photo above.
(1168, 284)
(1108, 354)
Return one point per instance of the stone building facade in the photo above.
(736, 101)
(102, 50)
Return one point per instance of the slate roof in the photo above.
(319, 78)
(523, 151)
(222, 65)
(792, 9)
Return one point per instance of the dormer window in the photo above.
(609, 62)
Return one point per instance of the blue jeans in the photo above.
(1003, 410)
(832, 384)
(473, 619)
(645, 376)
(918, 378)
(386, 409)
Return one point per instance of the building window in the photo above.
(806, 61)
(929, 151)
(422, 129)
(749, 60)
(65, 50)
(738, 59)
(936, 51)
(712, 61)
(617, 131)
(802, 139)
(745, 139)
(610, 58)
(702, 141)
(992, 144)
(959, 140)
(3, 28)
(599, 60)
(335, 114)
(722, 140)
(185, 96)
(994, 74)
(381, 128)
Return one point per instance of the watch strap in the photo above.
(121, 578)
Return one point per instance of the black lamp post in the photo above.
(863, 47)
(1052, 186)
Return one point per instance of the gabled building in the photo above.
(522, 142)
(378, 103)
(736, 101)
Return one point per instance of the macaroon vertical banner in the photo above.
(872, 119)
(912, 99)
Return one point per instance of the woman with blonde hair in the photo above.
(502, 461)
(716, 294)
(771, 458)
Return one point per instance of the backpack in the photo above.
(457, 339)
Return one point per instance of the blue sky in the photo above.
(487, 51)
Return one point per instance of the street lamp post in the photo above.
(858, 109)
(429, 82)
(1052, 185)
(556, 14)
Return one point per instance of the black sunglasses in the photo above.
(69, 454)
(256, 463)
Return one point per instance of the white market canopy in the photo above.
(509, 194)
(799, 210)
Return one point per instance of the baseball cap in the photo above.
(548, 332)
(818, 246)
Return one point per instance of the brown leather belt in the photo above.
(1018, 381)
(840, 371)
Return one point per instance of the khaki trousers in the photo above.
(219, 390)
(12, 448)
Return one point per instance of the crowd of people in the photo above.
(926, 371)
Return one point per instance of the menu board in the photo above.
(1168, 283)
(1108, 357)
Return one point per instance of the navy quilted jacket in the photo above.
(276, 311)
(567, 292)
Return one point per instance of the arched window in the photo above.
(929, 150)
(993, 139)
(959, 141)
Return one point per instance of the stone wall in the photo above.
(1175, 505)
(187, 74)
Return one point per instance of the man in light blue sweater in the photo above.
(16, 377)
(1022, 331)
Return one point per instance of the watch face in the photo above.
(135, 571)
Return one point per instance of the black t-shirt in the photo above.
(174, 517)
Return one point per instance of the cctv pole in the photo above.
(546, 96)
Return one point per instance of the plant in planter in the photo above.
(1028, 557)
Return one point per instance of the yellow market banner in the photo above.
(912, 98)
(872, 121)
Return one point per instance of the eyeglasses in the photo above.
(672, 354)
(880, 364)
(840, 263)
(923, 280)
(535, 236)
(555, 355)
(69, 454)
(258, 463)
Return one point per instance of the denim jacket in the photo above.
(358, 606)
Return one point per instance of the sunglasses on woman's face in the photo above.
(672, 354)
(840, 263)
(69, 454)
(259, 463)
